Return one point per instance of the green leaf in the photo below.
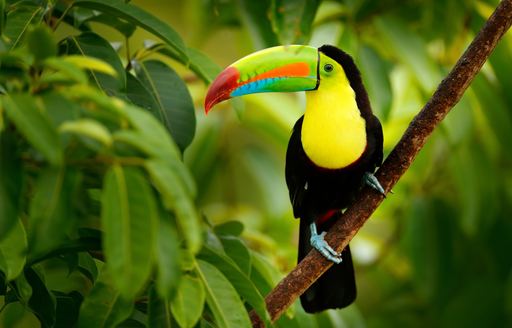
(199, 63)
(258, 279)
(497, 115)
(147, 140)
(202, 155)
(139, 17)
(499, 61)
(375, 73)
(68, 306)
(289, 321)
(61, 71)
(71, 261)
(41, 43)
(176, 199)
(138, 94)
(508, 294)
(2, 16)
(25, 113)
(87, 266)
(229, 228)
(23, 289)
(188, 303)
(203, 66)
(126, 28)
(88, 128)
(13, 248)
(433, 266)
(263, 274)
(82, 244)
(91, 64)
(185, 177)
(59, 108)
(19, 20)
(477, 194)
(129, 218)
(75, 17)
(135, 140)
(237, 278)
(212, 241)
(238, 252)
(51, 216)
(14, 314)
(159, 314)
(11, 181)
(168, 256)
(206, 324)
(292, 19)
(92, 45)
(104, 306)
(254, 15)
(175, 108)
(475, 305)
(411, 50)
(42, 302)
(222, 299)
(149, 135)
(97, 105)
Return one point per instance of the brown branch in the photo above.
(446, 96)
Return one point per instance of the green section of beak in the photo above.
(278, 69)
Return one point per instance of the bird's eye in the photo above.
(328, 68)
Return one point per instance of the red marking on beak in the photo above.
(221, 88)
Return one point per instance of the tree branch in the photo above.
(446, 96)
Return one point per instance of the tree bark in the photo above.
(448, 93)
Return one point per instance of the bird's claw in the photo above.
(318, 243)
(372, 181)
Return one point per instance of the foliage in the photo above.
(114, 210)
(93, 182)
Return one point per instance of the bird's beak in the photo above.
(278, 69)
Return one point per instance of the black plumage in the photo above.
(319, 194)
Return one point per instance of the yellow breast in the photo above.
(333, 131)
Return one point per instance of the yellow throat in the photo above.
(333, 131)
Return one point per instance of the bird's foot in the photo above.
(372, 181)
(317, 242)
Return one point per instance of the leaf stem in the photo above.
(128, 58)
(3, 307)
(64, 13)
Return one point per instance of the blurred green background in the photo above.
(437, 252)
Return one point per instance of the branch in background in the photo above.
(446, 96)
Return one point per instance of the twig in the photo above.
(446, 96)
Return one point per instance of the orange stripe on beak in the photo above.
(290, 70)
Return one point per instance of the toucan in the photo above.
(333, 151)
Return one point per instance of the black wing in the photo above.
(375, 141)
(295, 170)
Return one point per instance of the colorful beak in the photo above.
(278, 69)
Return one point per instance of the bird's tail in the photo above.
(336, 288)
